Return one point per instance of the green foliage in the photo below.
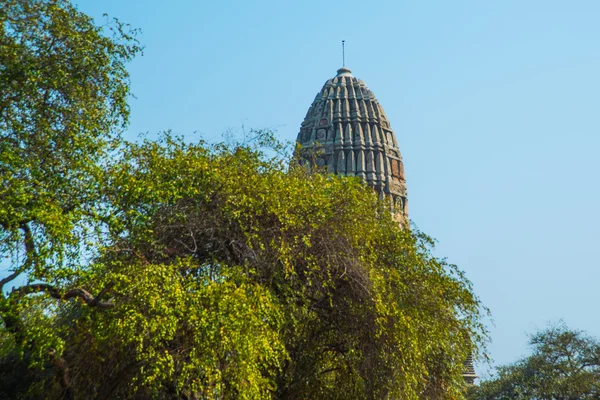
(63, 99)
(233, 277)
(171, 333)
(63, 93)
(365, 310)
(564, 365)
(173, 270)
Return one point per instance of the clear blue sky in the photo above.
(495, 105)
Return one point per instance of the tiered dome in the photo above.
(346, 130)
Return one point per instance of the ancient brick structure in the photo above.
(346, 131)
(469, 371)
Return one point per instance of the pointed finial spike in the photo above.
(343, 53)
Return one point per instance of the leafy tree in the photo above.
(63, 92)
(343, 302)
(173, 270)
(564, 365)
(63, 98)
(230, 276)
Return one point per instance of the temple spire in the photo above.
(355, 139)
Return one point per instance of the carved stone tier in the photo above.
(469, 371)
(347, 130)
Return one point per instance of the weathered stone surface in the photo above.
(347, 123)
(469, 372)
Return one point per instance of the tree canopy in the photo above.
(224, 274)
(168, 269)
(63, 97)
(564, 365)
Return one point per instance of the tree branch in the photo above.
(82, 294)
(9, 278)
(326, 371)
(29, 250)
(29, 243)
(62, 374)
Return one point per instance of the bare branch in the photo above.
(326, 371)
(9, 278)
(82, 294)
(62, 374)
(29, 250)
(106, 288)
(29, 243)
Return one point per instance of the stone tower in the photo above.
(346, 131)
(469, 371)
